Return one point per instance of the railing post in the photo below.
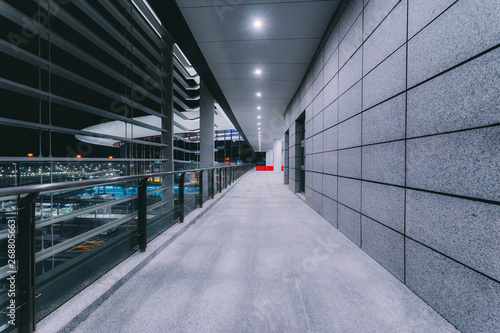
(220, 180)
(142, 217)
(181, 197)
(224, 184)
(212, 183)
(200, 186)
(26, 261)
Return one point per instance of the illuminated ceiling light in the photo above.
(257, 24)
(258, 94)
(259, 128)
(258, 117)
(257, 71)
(258, 108)
(258, 124)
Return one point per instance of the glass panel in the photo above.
(191, 189)
(8, 175)
(161, 212)
(80, 234)
(206, 185)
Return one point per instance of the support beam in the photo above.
(206, 126)
(26, 260)
(142, 215)
(277, 152)
(167, 124)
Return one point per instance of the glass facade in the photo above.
(85, 79)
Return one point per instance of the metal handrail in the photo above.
(25, 189)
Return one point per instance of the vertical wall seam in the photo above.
(361, 134)
(337, 122)
(406, 140)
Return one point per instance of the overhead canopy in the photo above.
(226, 50)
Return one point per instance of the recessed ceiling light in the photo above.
(257, 71)
(257, 24)
(258, 124)
(258, 108)
(258, 117)
(259, 128)
(259, 94)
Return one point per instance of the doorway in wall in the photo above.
(286, 159)
(301, 143)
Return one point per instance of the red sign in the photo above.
(282, 168)
(264, 168)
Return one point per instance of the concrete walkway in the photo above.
(261, 260)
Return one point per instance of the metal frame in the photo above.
(200, 188)
(26, 263)
(181, 196)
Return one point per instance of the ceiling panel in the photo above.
(265, 95)
(275, 72)
(265, 85)
(283, 49)
(233, 3)
(285, 20)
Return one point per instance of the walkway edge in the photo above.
(69, 315)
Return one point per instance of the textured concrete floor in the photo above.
(263, 261)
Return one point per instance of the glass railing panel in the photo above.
(63, 171)
(206, 185)
(217, 178)
(80, 234)
(32, 173)
(161, 212)
(8, 174)
(191, 190)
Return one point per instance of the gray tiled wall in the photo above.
(402, 111)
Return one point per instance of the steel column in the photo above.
(142, 217)
(212, 183)
(220, 180)
(200, 187)
(181, 197)
(26, 261)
